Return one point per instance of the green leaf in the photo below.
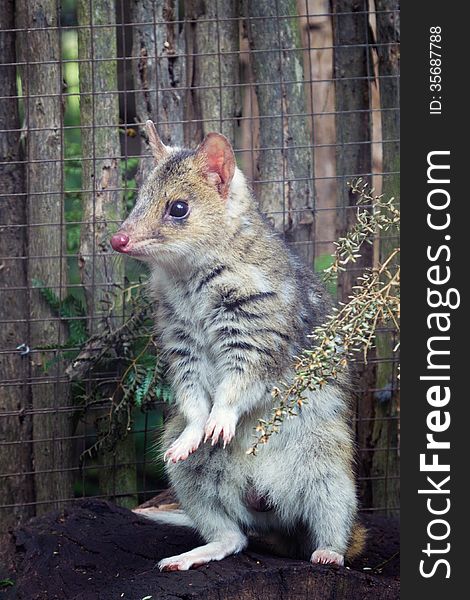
(144, 387)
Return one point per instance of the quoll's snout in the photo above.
(119, 242)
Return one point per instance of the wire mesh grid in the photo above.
(308, 93)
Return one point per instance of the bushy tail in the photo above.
(167, 517)
(357, 542)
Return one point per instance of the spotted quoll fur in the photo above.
(234, 307)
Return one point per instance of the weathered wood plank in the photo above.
(212, 45)
(354, 159)
(158, 71)
(385, 463)
(103, 207)
(42, 87)
(15, 431)
(353, 121)
(285, 159)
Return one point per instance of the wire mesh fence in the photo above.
(307, 92)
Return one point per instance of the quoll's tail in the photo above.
(357, 542)
(166, 517)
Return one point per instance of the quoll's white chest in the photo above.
(184, 324)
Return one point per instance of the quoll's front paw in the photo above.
(220, 423)
(187, 443)
(327, 557)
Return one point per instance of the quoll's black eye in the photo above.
(179, 209)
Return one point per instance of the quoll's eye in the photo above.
(179, 209)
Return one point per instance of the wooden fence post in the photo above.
(15, 396)
(42, 87)
(157, 69)
(102, 208)
(285, 159)
(212, 46)
(385, 466)
(353, 159)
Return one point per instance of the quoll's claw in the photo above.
(181, 562)
(218, 425)
(185, 445)
(327, 557)
(173, 564)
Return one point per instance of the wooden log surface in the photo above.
(97, 550)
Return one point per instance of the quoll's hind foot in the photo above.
(187, 443)
(181, 562)
(231, 544)
(327, 557)
(176, 563)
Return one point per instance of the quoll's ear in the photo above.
(159, 150)
(218, 160)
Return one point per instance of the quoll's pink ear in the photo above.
(219, 161)
(159, 150)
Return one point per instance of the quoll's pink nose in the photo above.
(119, 241)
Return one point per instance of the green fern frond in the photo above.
(143, 389)
(49, 295)
(125, 348)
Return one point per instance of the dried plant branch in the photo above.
(373, 215)
(351, 328)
